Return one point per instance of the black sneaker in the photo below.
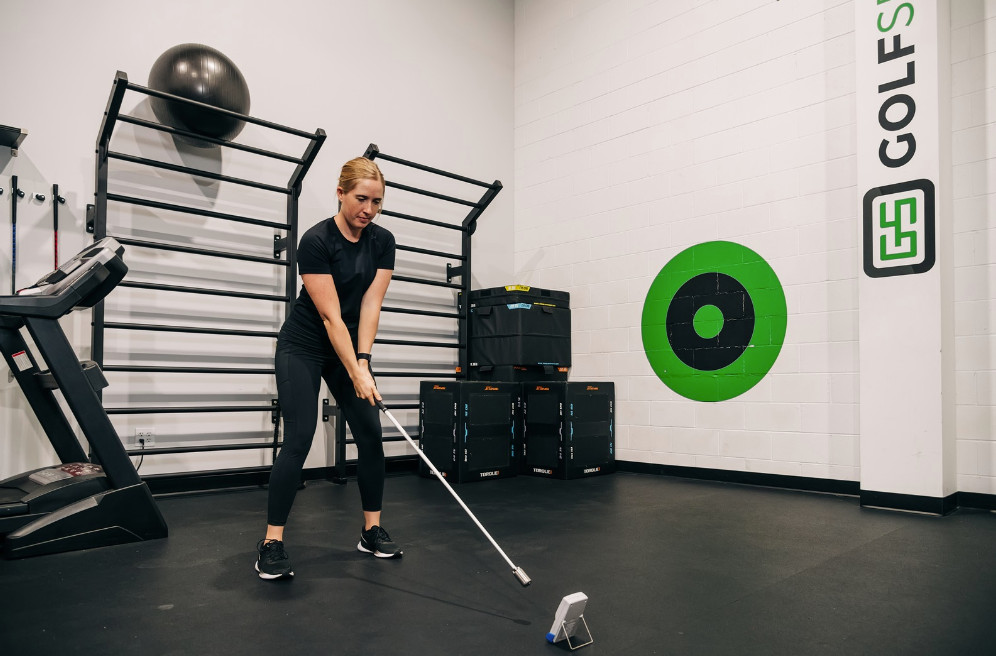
(273, 562)
(376, 541)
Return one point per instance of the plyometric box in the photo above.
(519, 325)
(568, 429)
(470, 431)
(515, 373)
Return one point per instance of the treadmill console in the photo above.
(80, 283)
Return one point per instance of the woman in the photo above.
(345, 264)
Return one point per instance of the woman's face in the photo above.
(361, 203)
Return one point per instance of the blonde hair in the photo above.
(356, 169)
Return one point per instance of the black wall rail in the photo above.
(284, 258)
(458, 265)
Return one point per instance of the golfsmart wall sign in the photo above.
(714, 321)
(898, 218)
(903, 210)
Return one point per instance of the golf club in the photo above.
(517, 571)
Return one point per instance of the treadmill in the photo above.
(83, 502)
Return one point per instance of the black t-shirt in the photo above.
(353, 266)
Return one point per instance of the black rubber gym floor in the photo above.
(670, 566)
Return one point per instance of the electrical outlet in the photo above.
(145, 437)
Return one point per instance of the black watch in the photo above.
(363, 356)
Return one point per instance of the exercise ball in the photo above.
(200, 73)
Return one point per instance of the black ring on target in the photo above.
(732, 299)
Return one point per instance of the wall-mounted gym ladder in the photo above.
(284, 255)
(458, 265)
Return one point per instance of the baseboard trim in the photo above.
(910, 502)
(392, 465)
(867, 498)
(229, 479)
(207, 481)
(232, 479)
(803, 483)
(977, 500)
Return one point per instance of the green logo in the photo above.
(902, 244)
(714, 321)
(898, 229)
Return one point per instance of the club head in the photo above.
(522, 576)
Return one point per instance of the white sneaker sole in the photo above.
(379, 554)
(270, 577)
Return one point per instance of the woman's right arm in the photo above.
(321, 289)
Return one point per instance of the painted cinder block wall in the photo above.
(973, 118)
(644, 128)
(429, 81)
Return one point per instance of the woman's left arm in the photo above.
(373, 298)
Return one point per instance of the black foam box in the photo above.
(517, 373)
(568, 429)
(519, 325)
(470, 431)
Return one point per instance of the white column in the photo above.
(905, 269)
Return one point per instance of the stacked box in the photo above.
(518, 373)
(568, 429)
(519, 333)
(470, 431)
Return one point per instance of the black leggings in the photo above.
(298, 381)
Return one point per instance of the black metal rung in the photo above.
(189, 329)
(127, 241)
(470, 222)
(395, 406)
(148, 410)
(423, 313)
(154, 163)
(310, 153)
(426, 281)
(144, 202)
(431, 194)
(409, 342)
(202, 448)
(422, 167)
(203, 137)
(195, 290)
(185, 370)
(413, 374)
(219, 110)
(388, 438)
(426, 251)
(419, 219)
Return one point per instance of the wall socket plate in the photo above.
(145, 436)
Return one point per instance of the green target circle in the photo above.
(714, 321)
(708, 321)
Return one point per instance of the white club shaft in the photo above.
(442, 480)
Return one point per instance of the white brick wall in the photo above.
(645, 127)
(973, 108)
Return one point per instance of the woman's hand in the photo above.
(364, 385)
